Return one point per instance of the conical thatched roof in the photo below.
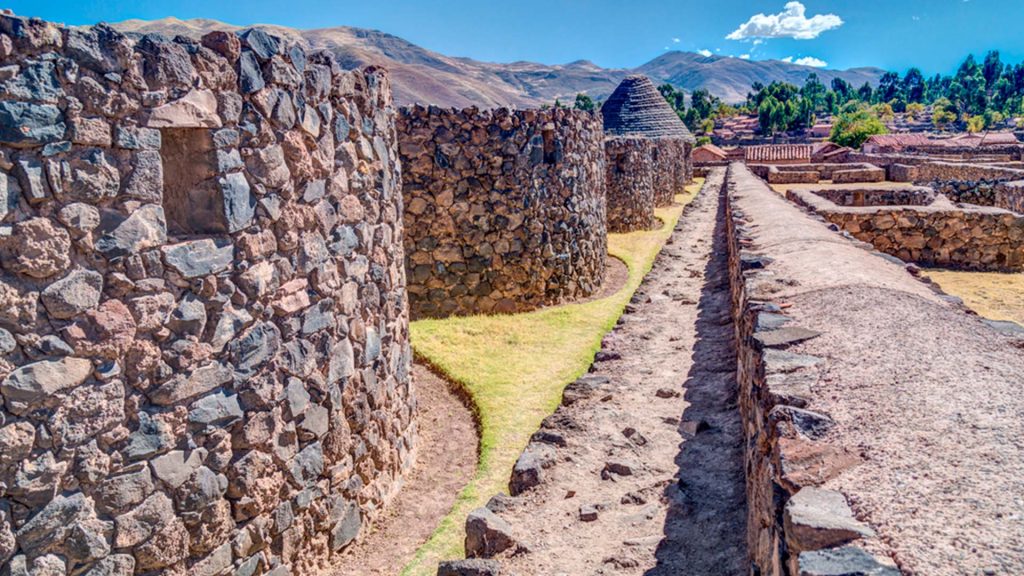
(636, 108)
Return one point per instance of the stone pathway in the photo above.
(640, 471)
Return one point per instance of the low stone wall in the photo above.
(504, 210)
(931, 231)
(848, 443)
(960, 182)
(702, 169)
(630, 183)
(204, 354)
(845, 173)
(1010, 196)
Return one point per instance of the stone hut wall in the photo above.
(630, 178)
(205, 356)
(1010, 196)
(673, 169)
(505, 210)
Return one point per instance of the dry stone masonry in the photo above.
(204, 356)
(504, 209)
(917, 225)
(650, 154)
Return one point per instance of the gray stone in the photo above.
(152, 437)
(213, 564)
(23, 124)
(51, 345)
(308, 464)
(588, 513)
(809, 424)
(32, 180)
(259, 345)
(228, 160)
(783, 337)
(73, 294)
(197, 258)
(487, 535)
(37, 479)
(527, 473)
(137, 138)
(203, 489)
(843, 561)
(347, 520)
(215, 409)
(119, 493)
(316, 421)
(296, 397)
(32, 385)
(342, 362)
(249, 74)
(80, 219)
(371, 349)
(36, 81)
(145, 228)
(780, 361)
(263, 45)
(50, 526)
(10, 193)
(239, 203)
(816, 518)
(113, 565)
(185, 386)
(173, 468)
(225, 138)
(318, 317)
(469, 567)
(146, 180)
(55, 148)
(93, 176)
(249, 566)
(7, 343)
(189, 317)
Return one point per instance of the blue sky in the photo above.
(934, 35)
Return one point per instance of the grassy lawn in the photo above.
(514, 368)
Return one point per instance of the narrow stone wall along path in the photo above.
(641, 468)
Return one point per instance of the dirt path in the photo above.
(447, 453)
(654, 453)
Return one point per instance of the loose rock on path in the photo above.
(640, 471)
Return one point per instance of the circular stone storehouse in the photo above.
(648, 153)
(204, 353)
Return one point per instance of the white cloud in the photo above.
(808, 61)
(787, 59)
(676, 40)
(792, 22)
(744, 56)
(705, 53)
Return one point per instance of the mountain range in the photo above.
(428, 77)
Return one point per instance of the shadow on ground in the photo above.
(705, 532)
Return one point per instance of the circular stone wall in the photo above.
(205, 356)
(630, 179)
(504, 210)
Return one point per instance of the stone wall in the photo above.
(673, 169)
(793, 522)
(1010, 196)
(505, 210)
(205, 356)
(930, 230)
(630, 183)
(845, 173)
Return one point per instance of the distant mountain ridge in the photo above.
(428, 77)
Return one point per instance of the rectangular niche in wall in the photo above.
(200, 196)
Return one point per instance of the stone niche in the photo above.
(504, 209)
(204, 354)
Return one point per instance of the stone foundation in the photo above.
(917, 225)
(630, 183)
(504, 210)
(205, 355)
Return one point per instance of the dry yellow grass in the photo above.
(514, 368)
(991, 294)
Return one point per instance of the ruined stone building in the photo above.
(649, 154)
(204, 355)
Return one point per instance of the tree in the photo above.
(915, 110)
(992, 68)
(943, 113)
(888, 87)
(675, 98)
(814, 92)
(913, 86)
(855, 127)
(975, 124)
(865, 93)
(584, 102)
(884, 112)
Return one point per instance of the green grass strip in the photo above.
(514, 368)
